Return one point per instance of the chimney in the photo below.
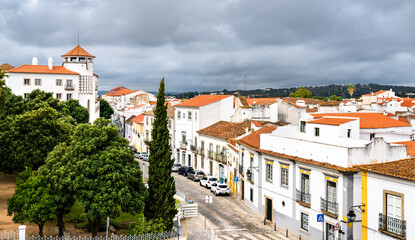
(50, 63)
(34, 61)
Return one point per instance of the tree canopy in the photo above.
(105, 109)
(160, 203)
(301, 93)
(5, 92)
(75, 110)
(351, 88)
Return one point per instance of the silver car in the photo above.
(208, 181)
(221, 189)
(195, 175)
(176, 167)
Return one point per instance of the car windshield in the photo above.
(204, 178)
(214, 184)
(199, 173)
(223, 186)
(212, 179)
(177, 165)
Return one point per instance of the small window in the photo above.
(269, 171)
(284, 175)
(304, 221)
(184, 115)
(68, 96)
(349, 133)
(316, 132)
(302, 126)
(372, 135)
(26, 81)
(59, 95)
(251, 195)
(189, 115)
(152, 121)
(179, 114)
(26, 95)
(195, 116)
(58, 82)
(69, 83)
(38, 82)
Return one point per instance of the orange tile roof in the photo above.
(202, 100)
(137, 106)
(225, 130)
(294, 104)
(170, 112)
(42, 69)
(6, 67)
(404, 168)
(410, 147)
(403, 119)
(311, 110)
(250, 101)
(368, 120)
(408, 102)
(233, 148)
(331, 121)
(78, 51)
(380, 92)
(122, 91)
(253, 139)
(139, 119)
(130, 120)
(256, 123)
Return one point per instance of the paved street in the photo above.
(228, 218)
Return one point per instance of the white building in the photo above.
(75, 79)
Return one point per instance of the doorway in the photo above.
(268, 210)
(330, 232)
(242, 190)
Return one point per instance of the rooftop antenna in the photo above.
(245, 82)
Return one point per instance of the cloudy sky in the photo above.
(205, 45)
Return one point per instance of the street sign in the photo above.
(337, 227)
(320, 217)
(236, 179)
(190, 210)
(208, 199)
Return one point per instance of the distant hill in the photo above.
(317, 91)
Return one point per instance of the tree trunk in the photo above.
(61, 224)
(41, 228)
(95, 226)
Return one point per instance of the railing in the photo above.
(201, 151)
(70, 87)
(193, 148)
(392, 225)
(210, 154)
(241, 170)
(183, 145)
(329, 207)
(12, 235)
(250, 176)
(303, 197)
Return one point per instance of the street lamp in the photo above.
(351, 216)
(249, 173)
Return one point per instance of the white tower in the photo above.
(80, 61)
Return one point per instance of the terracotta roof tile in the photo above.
(404, 168)
(410, 147)
(253, 139)
(331, 121)
(294, 104)
(406, 102)
(403, 119)
(256, 123)
(202, 100)
(139, 118)
(42, 69)
(6, 67)
(368, 120)
(130, 120)
(311, 110)
(225, 130)
(253, 101)
(170, 112)
(78, 51)
(122, 91)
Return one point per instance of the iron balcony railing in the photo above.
(241, 170)
(210, 154)
(392, 225)
(220, 157)
(303, 197)
(193, 148)
(70, 87)
(183, 145)
(201, 151)
(329, 207)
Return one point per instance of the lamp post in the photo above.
(351, 216)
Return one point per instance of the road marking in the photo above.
(226, 237)
(260, 236)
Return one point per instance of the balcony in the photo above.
(201, 151)
(241, 170)
(70, 87)
(220, 158)
(210, 154)
(183, 146)
(193, 148)
(303, 198)
(329, 208)
(392, 226)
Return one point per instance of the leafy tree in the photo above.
(335, 98)
(301, 93)
(5, 92)
(75, 110)
(351, 88)
(32, 201)
(150, 226)
(160, 203)
(27, 138)
(105, 110)
(100, 169)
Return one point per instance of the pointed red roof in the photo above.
(78, 51)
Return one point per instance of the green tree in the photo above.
(160, 203)
(335, 98)
(301, 93)
(5, 92)
(75, 110)
(351, 88)
(105, 110)
(27, 138)
(101, 171)
(32, 200)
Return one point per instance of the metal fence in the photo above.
(12, 235)
(392, 225)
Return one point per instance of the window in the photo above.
(68, 96)
(152, 120)
(251, 195)
(58, 82)
(26, 95)
(304, 221)
(284, 175)
(147, 136)
(184, 115)
(316, 132)
(183, 137)
(392, 218)
(189, 115)
(179, 114)
(372, 135)
(59, 95)
(268, 170)
(26, 81)
(302, 126)
(331, 192)
(69, 83)
(38, 82)
(195, 142)
(147, 121)
(195, 116)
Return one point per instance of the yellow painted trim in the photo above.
(270, 162)
(251, 155)
(305, 172)
(284, 166)
(364, 202)
(331, 179)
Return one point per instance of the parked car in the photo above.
(139, 155)
(221, 189)
(145, 157)
(176, 167)
(208, 181)
(213, 186)
(184, 170)
(136, 155)
(195, 175)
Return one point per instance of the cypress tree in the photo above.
(160, 203)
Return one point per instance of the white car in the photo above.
(221, 189)
(176, 167)
(208, 181)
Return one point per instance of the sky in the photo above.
(199, 45)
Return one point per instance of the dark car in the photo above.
(195, 175)
(185, 170)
